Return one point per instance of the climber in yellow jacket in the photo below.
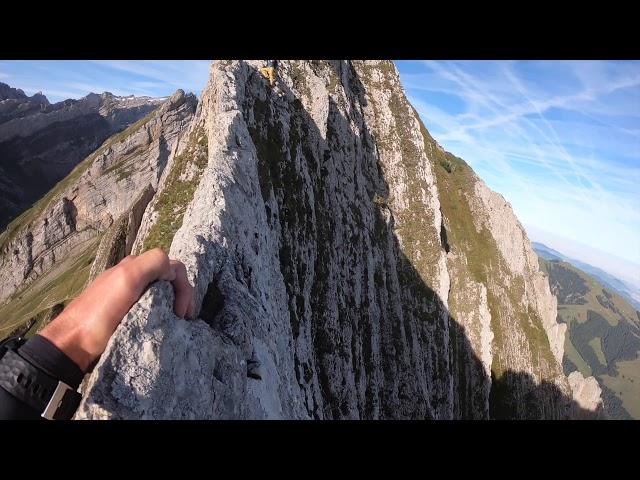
(269, 71)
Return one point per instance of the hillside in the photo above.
(627, 291)
(49, 252)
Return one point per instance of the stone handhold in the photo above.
(253, 368)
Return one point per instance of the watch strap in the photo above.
(52, 398)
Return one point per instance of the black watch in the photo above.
(52, 398)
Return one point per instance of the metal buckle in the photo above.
(55, 401)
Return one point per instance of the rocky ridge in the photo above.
(345, 267)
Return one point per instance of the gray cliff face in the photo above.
(95, 211)
(40, 142)
(344, 264)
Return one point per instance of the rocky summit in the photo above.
(345, 265)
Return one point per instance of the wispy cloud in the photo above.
(179, 73)
(560, 140)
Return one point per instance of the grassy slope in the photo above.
(177, 192)
(455, 183)
(60, 285)
(594, 287)
(581, 294)
(626, 386)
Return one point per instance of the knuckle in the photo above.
(159, 255)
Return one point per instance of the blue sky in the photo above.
(560, 140)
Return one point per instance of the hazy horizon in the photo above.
(616, 266)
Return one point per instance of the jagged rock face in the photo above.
(117, 241)
(9, 93)
(489, 247)
(345, 267)
(102, 200)
(40, 143)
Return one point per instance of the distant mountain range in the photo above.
(603, 336)
(41, 142)
(622, 288)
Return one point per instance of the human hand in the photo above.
(84, 327)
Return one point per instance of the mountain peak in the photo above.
(8, 92)
(66, 132)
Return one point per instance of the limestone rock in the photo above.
(332, 241)
(117, 241)
(587, 395)
(207, 381)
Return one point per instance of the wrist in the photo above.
(71, 340)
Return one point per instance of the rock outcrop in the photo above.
(345, 266)
(40, 142)
(587, 395)
(94, 211)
